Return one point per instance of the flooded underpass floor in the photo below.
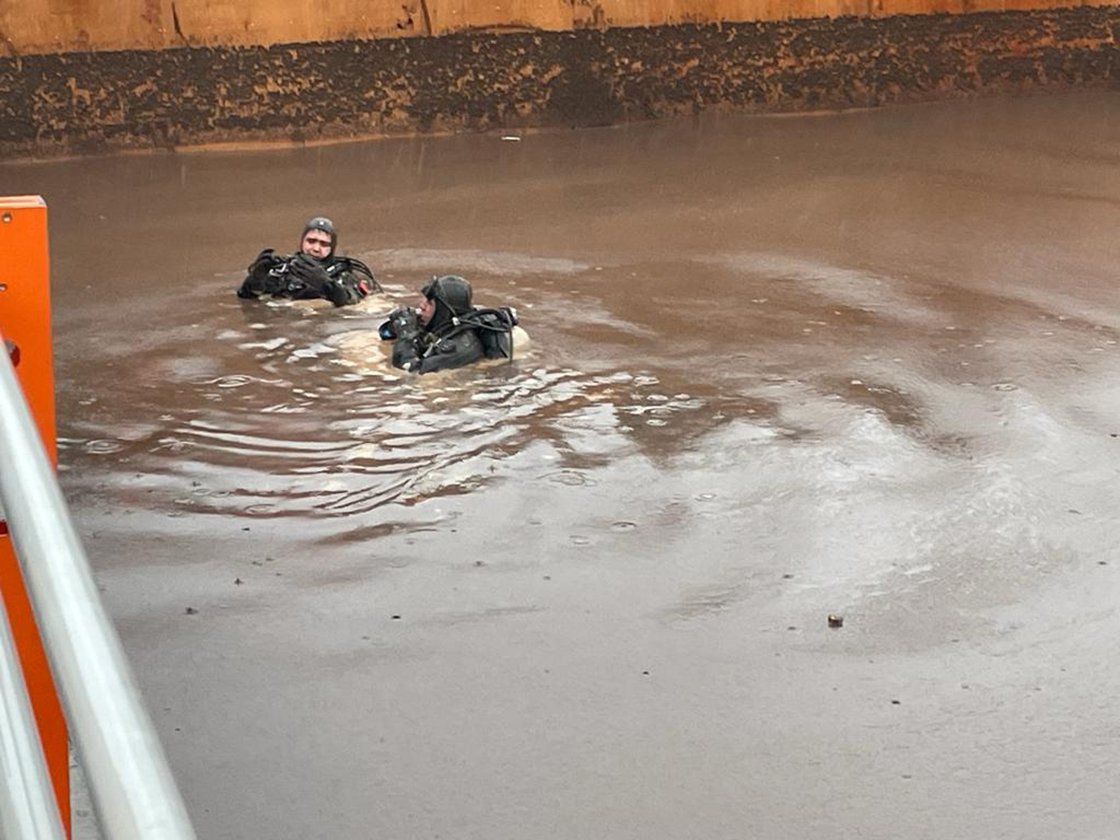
(861, 364)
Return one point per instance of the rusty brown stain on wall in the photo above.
(92, 101)
(587, 14)
(151, 13)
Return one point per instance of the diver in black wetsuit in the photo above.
(315, 272)
(447, 331)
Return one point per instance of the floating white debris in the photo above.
(512, 137)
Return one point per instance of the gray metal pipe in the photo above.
(27, 805)
(132, 788)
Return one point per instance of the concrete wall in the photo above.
(54, 26)
(94, 101)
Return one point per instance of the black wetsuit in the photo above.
(426, 349)
(341, 280)
(458, 334)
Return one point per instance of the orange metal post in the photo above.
(25, 327)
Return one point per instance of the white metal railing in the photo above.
(133, 792)
(27, 804)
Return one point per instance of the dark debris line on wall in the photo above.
(97, 101)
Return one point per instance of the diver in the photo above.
(315, 272)
(448, 331)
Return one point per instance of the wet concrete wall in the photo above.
(98, 100)
(35, 26)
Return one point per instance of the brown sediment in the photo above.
(860, 365)
(77, 103)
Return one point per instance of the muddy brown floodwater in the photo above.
(862, 364)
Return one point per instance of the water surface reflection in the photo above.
(862, 363)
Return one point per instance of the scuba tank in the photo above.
(495, 330)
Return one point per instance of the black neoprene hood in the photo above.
(452, 291)
(452, 296)
(324, 225)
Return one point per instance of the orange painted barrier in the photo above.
(25, 327)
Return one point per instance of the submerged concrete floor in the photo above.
(862, 364)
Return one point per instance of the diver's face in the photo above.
(316, 244)
(427, 310)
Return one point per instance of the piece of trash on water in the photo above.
(835, 620)
(512, 137)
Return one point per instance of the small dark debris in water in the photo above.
(835, 620)
(645, 673)
(396, 618)
(907, 776)
(246, 528)
(548, 577)
(1114, 434)
(269, 559)
(479, 563)
(792, 627)
(896, 702)
(256, 562)
(196, 484)
(365, 638)
(965, 686)
(787, 577)
(237, 581)
(1073, 510)
(191, 611)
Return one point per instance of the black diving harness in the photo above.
(490, 324)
